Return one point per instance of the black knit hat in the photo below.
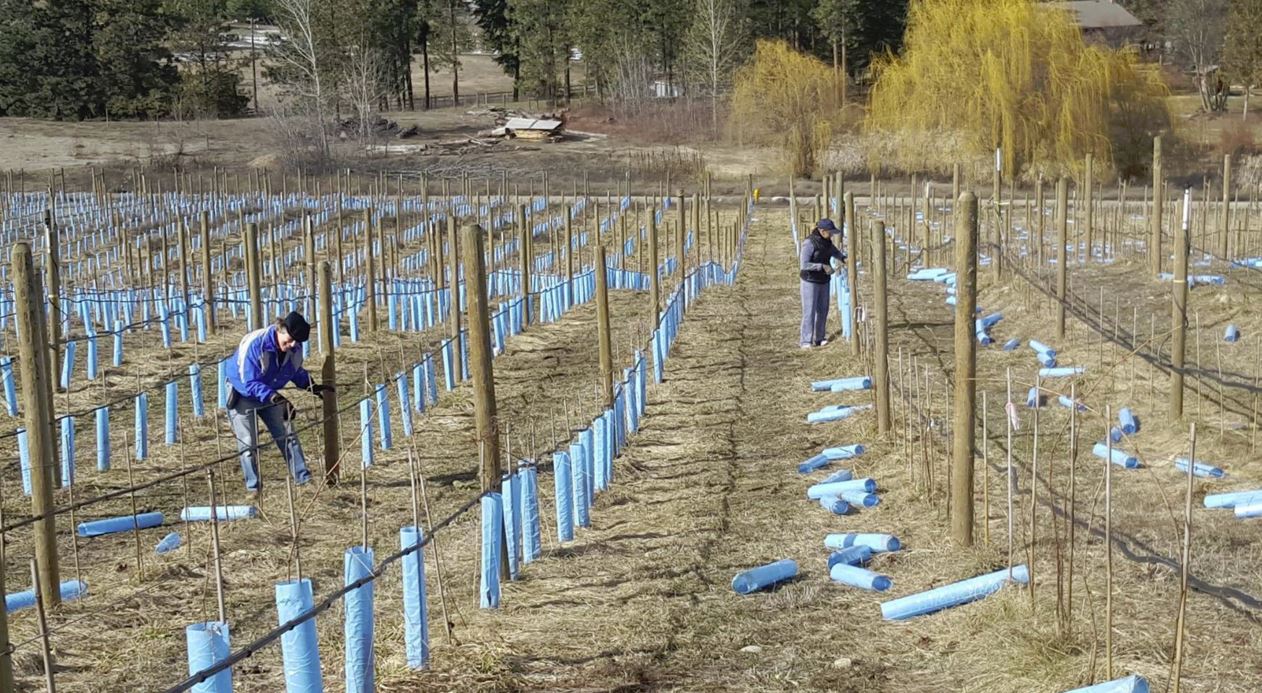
(297, 327)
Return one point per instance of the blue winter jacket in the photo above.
(260, 368)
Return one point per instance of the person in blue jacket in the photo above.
(266, 361)
(815, 271)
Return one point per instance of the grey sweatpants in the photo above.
(814, 312)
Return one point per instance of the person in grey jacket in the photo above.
(815, 268)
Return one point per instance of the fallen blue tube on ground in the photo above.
(835, 488)
(817, 462)
(201, 513)
(843, 453)
(834, 505)
(928, 274)
(70, 589)
(764, 576)
(1120, 458)
(951, 595)
(1128, 421)
(859, 577)
(839, 475)
(1115, 434)
(990, 320)
(861, 499)
(110, 525)
(835, 413)
(1199, 468)
(854, 555)
(208, 644)
(1046, 360)
(1068, 403)
(1011, 344)
(1232, 498)
(1130, 684)
(1232, 334)
(858, 382)
(169, 543)
(1041, 348)
(1061, 372)
(1251, 509)
(877, 542)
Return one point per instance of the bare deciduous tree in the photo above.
(364, 83)
(303, 57)
(1197, 29)
(714, 48)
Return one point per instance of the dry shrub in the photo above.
(1017, 75)
(787, 98)
(1236, 140)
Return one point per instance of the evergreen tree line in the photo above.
(80, 59)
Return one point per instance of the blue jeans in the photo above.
(814, 313)
(244, 417)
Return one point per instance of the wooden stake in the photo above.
(881, 358)
(1062, 260)
(253, 275)
(480, 357)
(37, 410)
(852, 275)
(1181, 626)
(602, 328)
(961, 499)
(1178, 314)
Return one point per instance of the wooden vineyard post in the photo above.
(1062, 233)
(851, 226)
(37, 408)
(182, 232)
(680, 243)
(252, 273)
(881, 358)
(655, 279)
(453, 253)
(1088, 210)
(525, 252)
(602, 329)
(996, 250)
(961, 505)
(6, 654)
(1226, 215)
(370, 270)
(478, 318)
(208, 277)
(1179, 309)
(52, 268)
(1158, 198)
(328, 375)
(569, 255)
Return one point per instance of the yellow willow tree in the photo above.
(1017, 75)
(787, 98)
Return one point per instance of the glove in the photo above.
(318, 389)
(287, 407)
(828, 269)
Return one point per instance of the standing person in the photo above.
(815, 268)
(267, 360)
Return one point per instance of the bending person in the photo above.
(266, 361)
(815, 267)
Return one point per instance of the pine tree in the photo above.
(1244, 45)
(136, 69)
(499, 35)
(209, 86)
(63, 67)
(542, 41)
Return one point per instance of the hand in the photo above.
(319, 389)
(828, 269)
(287, 407)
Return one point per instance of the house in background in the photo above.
(1105, 22)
